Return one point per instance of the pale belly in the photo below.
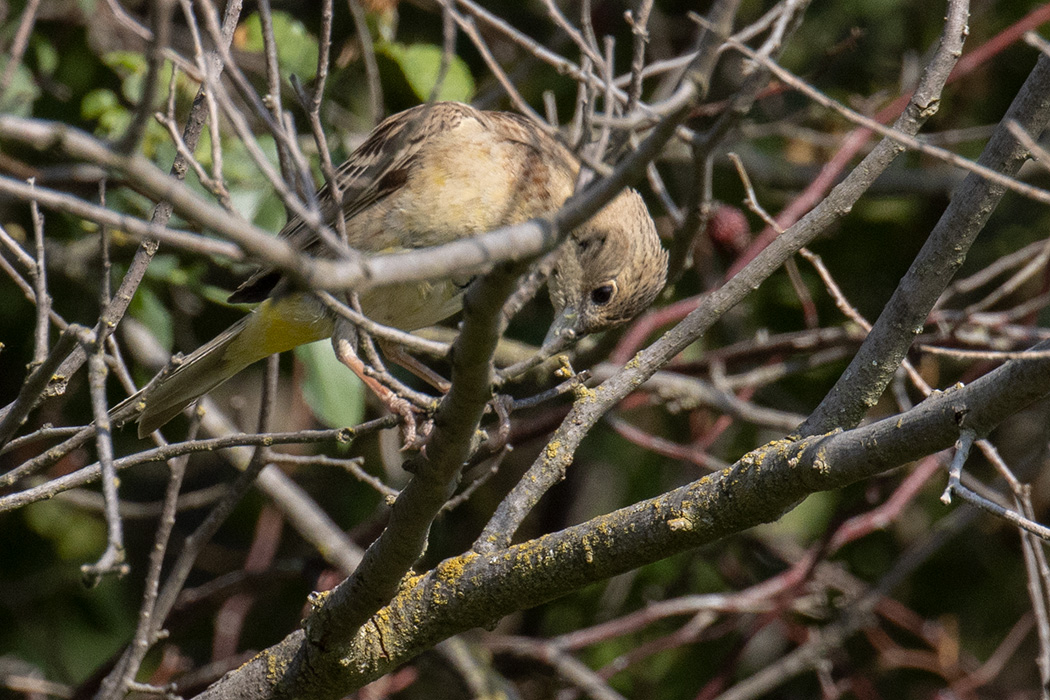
(412, 306)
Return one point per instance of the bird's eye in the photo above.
(593, 240)
(600, 296)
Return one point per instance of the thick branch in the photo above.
(550, 467)
(474, 589)
(944, 252)
(435, 475)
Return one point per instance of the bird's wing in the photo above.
(378, 169)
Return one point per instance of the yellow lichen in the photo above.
(588, 553)
(275, 667)
(820, 463)
(318, 599)
(680, 524)
(452, 569)
(583, 393)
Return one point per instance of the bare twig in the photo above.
(19, 43)
(43, 299)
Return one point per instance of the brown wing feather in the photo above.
(377, 169)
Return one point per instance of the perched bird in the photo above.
(426, 176)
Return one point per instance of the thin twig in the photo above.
(42, 298)
(19, 43)
(112, 559)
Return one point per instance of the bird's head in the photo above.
(610, 269)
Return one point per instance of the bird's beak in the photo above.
(562, 331)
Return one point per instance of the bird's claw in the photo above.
(414, 433)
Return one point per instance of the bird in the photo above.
(429, 175)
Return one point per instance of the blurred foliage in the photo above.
(420, 65)
(75, 72)
(297, 49)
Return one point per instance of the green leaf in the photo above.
(421, 65)
(169, 270)
(268, 211)
(75, 534)
(251, 195)
(21, 92)
(331, 391)
(47, 56)
(808, 521)
(132, 68)
(97, 102)
(147, 307)
(104, 107)
(297, 50)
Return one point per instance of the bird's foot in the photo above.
(500, 405)
(416, 423)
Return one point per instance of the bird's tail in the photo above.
(275, 326)
(186, 379)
